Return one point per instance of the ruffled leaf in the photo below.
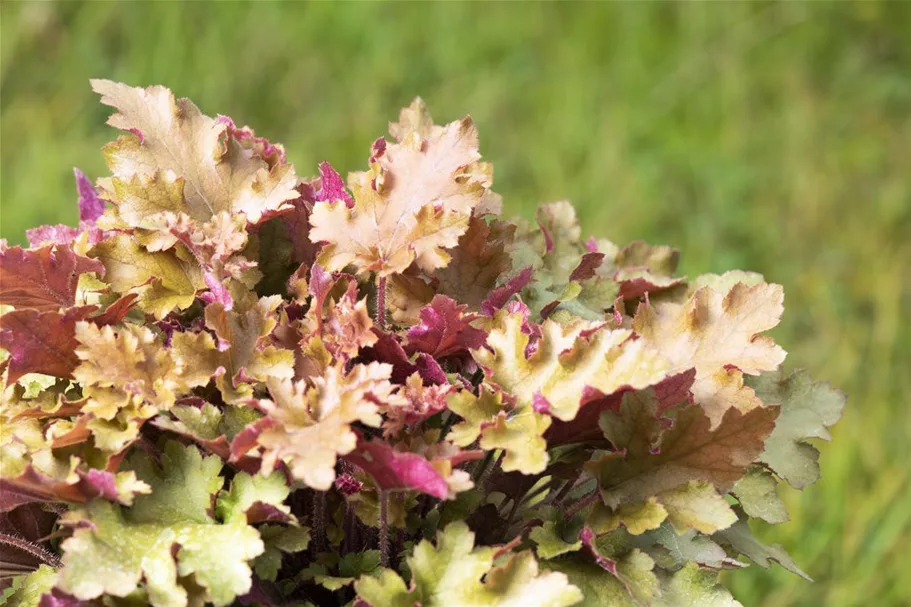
(41, 342)
(478, 262)
(651, 460)
(719, 335)
(808, 408)
(244, 348)
(164, 280)
(519, 433)
(444, 330)
(120, 548)
(451, 573)
(311, 426)
(413, 205)
(569, 361)
(44, 279)
(171, 135)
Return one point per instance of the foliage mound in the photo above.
(232, 385)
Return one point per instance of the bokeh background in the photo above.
(770, 137)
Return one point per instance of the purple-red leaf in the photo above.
(388, 349)
(42, 279)
(41, 342)
(51, 234)
(444, 330)
(91, 206)
(587, 266)
(499, 296)
(332, 187)
(398, 471)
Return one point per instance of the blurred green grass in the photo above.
(771, 137)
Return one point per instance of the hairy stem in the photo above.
(384, 528)
(480, 467)
(381, 303)
(40, 553)
(319, 521)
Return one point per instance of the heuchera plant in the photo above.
(232, 385)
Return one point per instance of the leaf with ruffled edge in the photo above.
(451, 574)
(808, 408)
(569, 363)
(444, 330)
(245, 351)
(172, 135)
(311, 426)
(413, 205)
(650, 459)
(478, 262)
(164, 281)
(719, 335)
(41, 342)
(44, 279)
(120, 548)
(518, 432)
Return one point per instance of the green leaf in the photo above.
(350, 567)
(27, 590)
(554, 248)
(757, 493)
(808, 408)
(518, 432)
(386, 590)
(694, 587)
(677, 549)
(279, 539)
(637, 518)
(599, 588)
(120, 547)
(741, 539)
(550, 542)
(697, 505)
(112, 555)
(518, 582)
(246, 490)
(451, 573)
(182, 486)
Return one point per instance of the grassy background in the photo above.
(771, 137)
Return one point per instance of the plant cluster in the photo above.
(231, 385)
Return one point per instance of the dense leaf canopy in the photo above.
(230, 383)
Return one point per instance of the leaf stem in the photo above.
(549, 485)
(348, 543)
(319, 521)
(570, 484)
(381, 303)
(582, 503)
(384, 528)
(480, 467)
(45, 556)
